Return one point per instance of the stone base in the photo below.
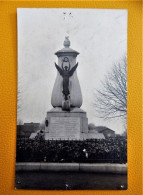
(66, 125)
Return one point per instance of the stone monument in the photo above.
(66, 120)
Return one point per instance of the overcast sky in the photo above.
(99, 35)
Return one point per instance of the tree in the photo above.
(19, 122)
(111, 99)
(91, 126)
(124, 134)
(19, 92)
(19, 98)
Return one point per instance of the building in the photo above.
(108, 133)
(93, 134)
(20, 132)
(26, 129)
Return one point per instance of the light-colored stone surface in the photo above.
(66, 114)
(72, 110)
(66, 125)
(78, 167)
(59, 167)
(94, 135)
(64, 128)
(84, 122)
(74, 86)
(28, 166)
(104, 168)
(33, 135)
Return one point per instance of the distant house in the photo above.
(106, 131)
(31, 127)
(95, 135)
(26, 129)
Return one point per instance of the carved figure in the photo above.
(66, 73)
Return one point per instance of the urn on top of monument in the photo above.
(66, 87)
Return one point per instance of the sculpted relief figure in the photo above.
(66, 92)
(66, 73)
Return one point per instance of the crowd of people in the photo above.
(112, 150)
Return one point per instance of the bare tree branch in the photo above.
(111, 100)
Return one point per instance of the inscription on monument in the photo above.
(65, 127)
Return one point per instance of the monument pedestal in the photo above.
(66, 125)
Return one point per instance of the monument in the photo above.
(66, 120)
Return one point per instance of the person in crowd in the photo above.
(112, 150)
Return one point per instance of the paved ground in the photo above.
(69, 181)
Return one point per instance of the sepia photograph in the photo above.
(71, 99)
